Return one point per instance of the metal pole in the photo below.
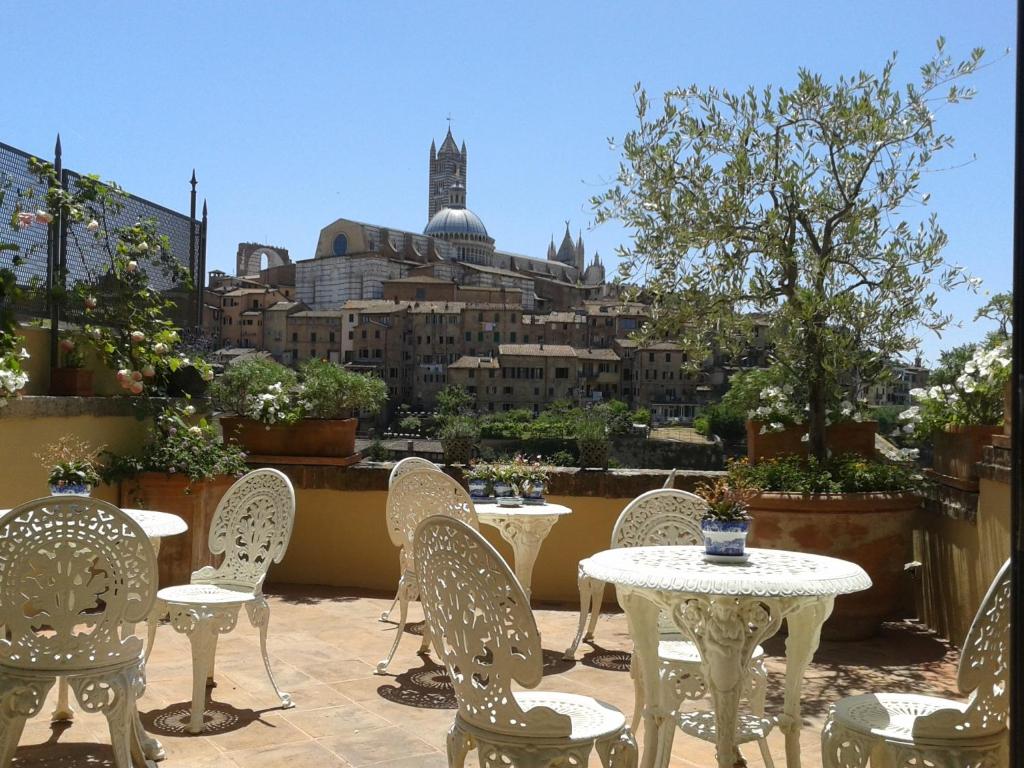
(197, 279)
(53, 258)
(1016, 657)
(202, 261)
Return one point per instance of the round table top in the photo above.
(485, 508)
(768, 572)
(157, 525)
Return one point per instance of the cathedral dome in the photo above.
(455, 221)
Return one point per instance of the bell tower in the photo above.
(447, 167)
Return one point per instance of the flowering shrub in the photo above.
(840, 474)
(180, 443)
(973, 397)
(12, 376)
(272, 406)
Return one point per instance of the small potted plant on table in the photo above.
(726, 522)
(480, 480)
(73, 466)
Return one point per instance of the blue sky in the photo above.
(295, 114)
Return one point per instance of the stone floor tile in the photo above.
(303, 754)
(377, 745)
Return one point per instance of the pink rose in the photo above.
(43, 217)
(136, 375)
(67, 345)
(148, 371)
(123, 374)
(93, 225)
(138, 337)
(90, 302)
(26, 219)
(160, 348)
(131, 266)
(95, 333)
(136, 388)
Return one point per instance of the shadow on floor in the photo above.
(218, 718)
(301, 594)
(903, 657)
(604, 658)
(426, 687)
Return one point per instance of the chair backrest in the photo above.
(408, 465)
(72, 571)
(420, 494)
(984, 671)
(251, 528)
(482, 628)
(661, 517)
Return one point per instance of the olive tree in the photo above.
(790, 206)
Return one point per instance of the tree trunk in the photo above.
(816, 398)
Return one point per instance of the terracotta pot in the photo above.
(956, 451)
(874, 530)
(844, 437)
(195, 503)
(71, 382)
(327, 438)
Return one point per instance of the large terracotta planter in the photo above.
(956, 451)
(874, 530)
(856, 437)
(316, 438)
(71, 382)
(195, 503)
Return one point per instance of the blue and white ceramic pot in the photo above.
(724, 537)
(478, 489)
(70, 489)
(502, 489)
(534, 494)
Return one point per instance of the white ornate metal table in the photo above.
(525, 528)
(726, 610)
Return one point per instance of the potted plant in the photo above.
(962, 409)
(459, 436)
(849, 507)
(71, 378)
(185, 469)
(281, 414)
(480, 480)
(726, 522)
(72, 466)
(530, 477)
(592, 441)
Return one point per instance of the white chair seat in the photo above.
(685, 652)
(591, 719)
(702, 726)
(204, 594)
(892, 716)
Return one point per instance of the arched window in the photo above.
(340, 246)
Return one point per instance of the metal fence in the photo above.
(48, 252)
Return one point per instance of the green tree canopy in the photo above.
(788, 205)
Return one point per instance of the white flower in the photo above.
(138, 337)
(131, 266)
(160, 348)
(917, 392)
(143, 246)
(93, 225)
(912, 413)
(908, 428)
(966, 382)
(24, 355)
(196, 431)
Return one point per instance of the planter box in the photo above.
(957, 450)
(195, 503)
(316, 438)
(874, 530)
(71, 382)
(844, 437)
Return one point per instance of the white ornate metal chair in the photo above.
(74, 572)
(409, 464)
(667, 517)
(415, 496)
(251, 528)
(486, 636)
(893, 730)
(402, 467)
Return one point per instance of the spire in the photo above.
(581, 262)
(433, 150)
(567, 250)
(448, 145)
(552, 254)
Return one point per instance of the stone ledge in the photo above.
(949, 501)
(48, 407)
(563, 481)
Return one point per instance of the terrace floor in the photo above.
(324, 645)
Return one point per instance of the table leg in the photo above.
(726, 630)
(642, 618)
(525, 534)
(804, 626)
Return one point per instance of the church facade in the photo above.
(354, 260)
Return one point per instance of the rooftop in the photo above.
(324, 643)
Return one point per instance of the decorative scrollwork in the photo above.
(251, 527)
(410, 464)
(660, 518)
(72, 571)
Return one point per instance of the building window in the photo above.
(295, 337)
(512, 337)
(312, 337)
(312, 353)
(331, 337)
(561, 373)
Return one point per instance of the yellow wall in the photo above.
(340, 539)
(960, 559)
(22, 476)
(37, 343)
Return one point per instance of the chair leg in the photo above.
(386, 616)
(203, 639)
(597, 597)
(766, 754)
(425, 642)
(403, 614)
(259, 616)
(459, 744)
(122, 728)
(20, 699)
(618, 752)
(586, 586)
